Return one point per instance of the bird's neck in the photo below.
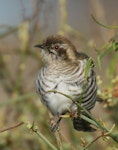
(61, 66)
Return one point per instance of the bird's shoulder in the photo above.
(83, 56)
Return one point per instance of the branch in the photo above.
(92, 120)
(12, 127)
(34, 129)
(89, 144)
(56, 133)
(105, 26)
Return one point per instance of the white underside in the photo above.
(55, 100)
(58, 103)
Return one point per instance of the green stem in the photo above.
(91, 120)
(45, 140)
(105, 26)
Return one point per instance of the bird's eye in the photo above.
(56, 47)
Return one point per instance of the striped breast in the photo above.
(69, 80)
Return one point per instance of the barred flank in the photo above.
(71, 75)
(65, 72)
(73, 78)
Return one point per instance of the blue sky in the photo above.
(11, 11)
(78, 14)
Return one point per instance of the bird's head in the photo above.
(57, 48)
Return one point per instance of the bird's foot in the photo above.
(55, 125)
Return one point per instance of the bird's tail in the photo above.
(82, 125)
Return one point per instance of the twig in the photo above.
(10, 31)
(12, 127)
(34, 128)
(56, 133)
(89, 144)
(91, 120)
(23, 10)
(105, 26)
(58, 139)
(45, 140)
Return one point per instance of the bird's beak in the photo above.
(39, 46)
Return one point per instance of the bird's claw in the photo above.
(54, 127)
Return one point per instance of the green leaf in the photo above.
(89, 65)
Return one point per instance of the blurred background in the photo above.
(24, 23)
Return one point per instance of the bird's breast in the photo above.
(69, 81)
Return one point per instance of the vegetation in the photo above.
(24, 121)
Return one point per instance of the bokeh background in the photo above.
(24, 23)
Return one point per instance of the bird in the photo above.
(64, 71)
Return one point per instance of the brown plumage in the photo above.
(64, 71)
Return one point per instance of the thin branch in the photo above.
(89, 144)
(12, 127)
(10, 31)
(58, 139)
(105, 26)
(92, 120)
(34, 128)
(23, 11)
(45, 140)
(56, 133)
